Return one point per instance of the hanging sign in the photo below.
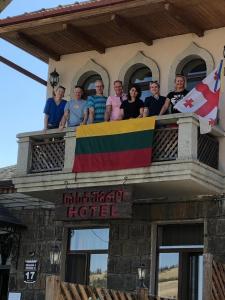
(30, 270)
(104, 203)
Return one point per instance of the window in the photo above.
(89, 84)
(195, 72)
(87, 256)
(142, 77)
(180, 261)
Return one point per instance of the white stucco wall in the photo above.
(163, 52)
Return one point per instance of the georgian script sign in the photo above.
(97, 204)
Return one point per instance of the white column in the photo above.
(23, 158)
(187, 138)
(70, 144)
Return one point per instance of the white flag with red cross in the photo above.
(203, 99)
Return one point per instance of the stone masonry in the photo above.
(36, 241)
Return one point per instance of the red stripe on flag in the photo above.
(112, 160)
(211, 97)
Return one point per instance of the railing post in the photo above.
(23, 158)
(70, 143)
(142, 294)
(52, 288)
(187, 138)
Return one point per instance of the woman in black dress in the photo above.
(133, 107)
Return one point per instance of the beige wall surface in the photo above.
(164, 54)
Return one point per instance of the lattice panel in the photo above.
(208, 150)
(165, 144)
(218, 281)
(48, 156)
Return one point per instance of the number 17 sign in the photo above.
(30, 270)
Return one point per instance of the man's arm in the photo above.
(146, 112)
(122, 113)
(165, 107)
(108, 112)
(91, 115)
(85, 116)
(64, 119)
(141, 112)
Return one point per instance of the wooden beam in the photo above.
(22, 70)
(132, 29)
(30, 41)
(77, 33)
(183, 19)
(3, 4)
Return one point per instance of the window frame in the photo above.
(184, 253)
(143, 85)
(90, 92)
(87, 253)
(194, 76)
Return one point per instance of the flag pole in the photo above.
(222, 95)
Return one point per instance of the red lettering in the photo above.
(101, 197)
(85, 197)
(94, 196)
(104, 211)
(67, 198)
(119, 195)
(113, 211)
(110, 197)
(83, 211)
(71, 212)
(93, 211)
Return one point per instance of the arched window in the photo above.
(89, 84)
(142, 77)
(194, 71)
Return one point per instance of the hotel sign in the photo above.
(104, 203)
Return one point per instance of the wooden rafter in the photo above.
(76, 33)
(132, 29)
(22, 70)
(30, 41)
(183, 19)
(3, 4)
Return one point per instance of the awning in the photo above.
(98, 25)
(7, 219)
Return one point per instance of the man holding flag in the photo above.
(204, 99)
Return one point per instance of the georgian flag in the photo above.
(203, 99)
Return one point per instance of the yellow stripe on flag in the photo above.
(115, 127)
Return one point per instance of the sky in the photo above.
(23, 97)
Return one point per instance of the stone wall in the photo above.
(215, 229)
(130, 243)
(37, 238)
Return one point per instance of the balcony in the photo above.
(185, 163)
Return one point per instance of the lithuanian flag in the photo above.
(114, 145)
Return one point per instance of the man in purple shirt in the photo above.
(113, 103)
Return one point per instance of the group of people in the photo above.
(98, 108)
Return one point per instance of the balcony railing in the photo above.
(176, 138)
(48, 155)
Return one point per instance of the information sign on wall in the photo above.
(30, 270)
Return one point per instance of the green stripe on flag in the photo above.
(115, 143)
